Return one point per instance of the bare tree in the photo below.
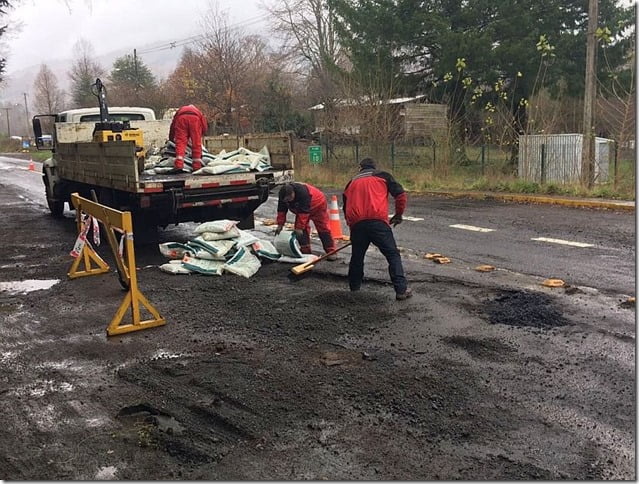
(617, 102)
(49, 98)
(83, 73)
(307, 30)
(227, 67)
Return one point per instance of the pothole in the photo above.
(485, 349)
(524, 309)
(144, 412)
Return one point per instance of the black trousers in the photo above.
(379, 234)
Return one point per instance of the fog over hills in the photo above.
(16, 83)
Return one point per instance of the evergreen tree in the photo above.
(83, 74)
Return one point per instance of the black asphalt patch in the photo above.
(524, 309)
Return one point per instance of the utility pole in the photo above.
(135, 64)
(588, 144)
(6, 110)
(26, 111)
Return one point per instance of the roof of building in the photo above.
(354, 102)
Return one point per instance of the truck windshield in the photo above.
(114, 117)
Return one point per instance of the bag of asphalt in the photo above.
(298, 260)
(230, 234)
(216, 226)
(243, 263)
(174, 267)
(216, 247)
(203, 266)
(287, 244)
(266, 249)
(173, 250)
(245, 238)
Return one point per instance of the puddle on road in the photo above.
(23, 287)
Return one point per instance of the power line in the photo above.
(195, 38)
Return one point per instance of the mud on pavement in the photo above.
(269, 378)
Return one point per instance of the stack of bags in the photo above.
(237, 161)
(220, 247)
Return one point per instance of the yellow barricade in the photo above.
(111, 219)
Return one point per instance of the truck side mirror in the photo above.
(43, 141)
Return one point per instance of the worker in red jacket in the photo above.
(307, 203)
(188, 124)
(366, 212)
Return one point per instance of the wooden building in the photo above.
(398, 118)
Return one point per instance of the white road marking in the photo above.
(412, 219)
(471, 227)
(563, 242)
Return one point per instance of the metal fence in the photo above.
(426, 155)
(557, 158)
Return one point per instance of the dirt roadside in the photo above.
(267, 378)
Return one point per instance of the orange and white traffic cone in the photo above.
(31, 165)
(335, 223)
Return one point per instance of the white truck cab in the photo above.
(92, 115)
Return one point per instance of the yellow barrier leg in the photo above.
(134, 297)
(86, 255)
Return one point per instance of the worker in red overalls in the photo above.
(188, 124)
(307, 203)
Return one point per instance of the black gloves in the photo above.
(396, 220)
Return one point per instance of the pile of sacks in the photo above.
(237, 161)
(219, 247)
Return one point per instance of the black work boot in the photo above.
(404, 295)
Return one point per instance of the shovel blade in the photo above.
(302, 268)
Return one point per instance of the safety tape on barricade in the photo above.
(81, 241)
(96, 232)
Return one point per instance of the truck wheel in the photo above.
(247, 222)
(56, 207)
(145, 232)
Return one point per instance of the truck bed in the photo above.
(114, 165)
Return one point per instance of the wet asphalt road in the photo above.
(501, 234)
(584, 247)
(478, 376)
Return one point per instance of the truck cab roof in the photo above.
(92, 115)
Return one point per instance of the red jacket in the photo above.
(366, 196)
(190, 109)
(188, 124)
(308, 200)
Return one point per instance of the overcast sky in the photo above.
(50, 28)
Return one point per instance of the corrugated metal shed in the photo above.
(557, 157)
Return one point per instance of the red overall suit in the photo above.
(188, 124)
(309, 204)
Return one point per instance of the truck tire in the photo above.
(56, 207)
(247, 222)
(145, 231)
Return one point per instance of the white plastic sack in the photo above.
(298, 260)
(243, 263)
(287, 244)
(245, 238)
(200, 253)
(216, 226)
(231, 234)
(264, 248)
(215, 247)
(174, 268)
(218, 169)
(203, 266)
(173, 250)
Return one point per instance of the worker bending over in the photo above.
(366, 213)
(307, 203)
(188, 124)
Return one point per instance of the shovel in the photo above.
(307, 266)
